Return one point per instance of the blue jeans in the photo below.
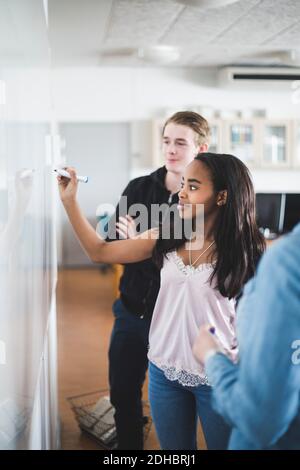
(174, 410)
(128, 365)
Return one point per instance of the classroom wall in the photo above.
(128, 95)
(138, 94)
(124, 94)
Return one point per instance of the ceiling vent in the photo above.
(229, 76)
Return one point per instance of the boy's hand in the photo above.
(126, 227)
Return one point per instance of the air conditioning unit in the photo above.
(259, 76)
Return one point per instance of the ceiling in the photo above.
(120, 32)
(109, 32)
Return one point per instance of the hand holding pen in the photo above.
(67, 185)
(205, 343)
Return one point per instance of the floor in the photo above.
(84, 299)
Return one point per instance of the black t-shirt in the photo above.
(140, 282)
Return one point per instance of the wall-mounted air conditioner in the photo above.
(258, 76)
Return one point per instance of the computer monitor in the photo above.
(292, 211)
(270, 212)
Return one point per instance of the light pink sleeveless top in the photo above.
(186, 301)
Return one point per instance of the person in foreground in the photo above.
(184, 135)
(260, 396)
(202, 273)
